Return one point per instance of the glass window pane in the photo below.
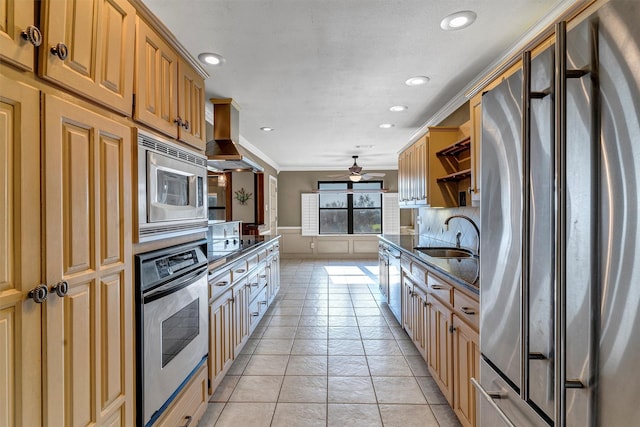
(367, 185)
(333, 222)
(332, 185)
(333, 201)
(367, 221)
(367, 200)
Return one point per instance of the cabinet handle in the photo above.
(437, 287)
(255, 313)
(240, 271)
(61, 288)
(185, 125)
(39, 294)
(33, 35)
(262, 302)
(263, 276)
(188, 419)
(60, 50)
(452, 329)
(467, 310)
(224, 283)
(254, 285)
(178, 121)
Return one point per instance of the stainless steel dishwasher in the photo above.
(395, 288)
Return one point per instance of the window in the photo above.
(348, 208)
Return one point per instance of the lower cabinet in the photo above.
(187, 409)
(249, 285)
(221, 337)
(439, 344)
(441, 320)
(466, 356)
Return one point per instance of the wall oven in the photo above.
(171, 324)
(172, 189)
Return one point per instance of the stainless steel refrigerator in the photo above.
(560, 270)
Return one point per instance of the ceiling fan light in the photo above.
(355, 178)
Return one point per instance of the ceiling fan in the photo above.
(355, 173)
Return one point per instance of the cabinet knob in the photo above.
(60, 50)
(33, 35)
(61, 288)
(185, 125)
(39, 294)
(188, 420)
(179, 122)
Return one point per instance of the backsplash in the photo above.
(430, 223)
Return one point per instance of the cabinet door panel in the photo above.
(466, 359)
(155, 82)
(89, 355)
(99, 36)
(15, 17)
(191, 106)
(20, 317)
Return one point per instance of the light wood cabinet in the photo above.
(448, 174)
(221, 337)
(466, 359)
(16, 17)
(20, 271)
(88, 48)
(412, 174)
(88, 223)
(169, 94)
(189, 407)
(439, 344)
(475, 114)
(191, 106)
(241, 293)
(408, 317)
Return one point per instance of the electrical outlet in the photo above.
(313, 245)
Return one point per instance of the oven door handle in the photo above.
(174, 286)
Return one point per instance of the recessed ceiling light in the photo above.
(458, 20)
(211, 58)
(266, 129)
(417, 81)
(386, 126)
(397, 108)
(365, 146)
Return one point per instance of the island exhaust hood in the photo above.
(222, 152)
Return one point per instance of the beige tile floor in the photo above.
(327, 353)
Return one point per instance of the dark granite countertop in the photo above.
(462, 271)
(247, 245)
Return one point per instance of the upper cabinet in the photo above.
(169, 93)
(412, 175)
(88, 47)
(19, 35)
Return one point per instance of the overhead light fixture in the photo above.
(386, 126)
(458, 20)
(398, 108)
(211, 58)
(355, 177)
(417, 81)
(267, 129)
(365, 146)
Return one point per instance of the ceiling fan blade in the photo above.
(375, 174)
(337, 175)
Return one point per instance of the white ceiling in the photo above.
(323, 73)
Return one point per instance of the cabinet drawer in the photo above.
(419, 272)
(218, 282)
(405, 263)
(252, 261)
(466, 307)
(257, 308)
(239, 269)
(253, 282)
(191, 403)
(439, 288)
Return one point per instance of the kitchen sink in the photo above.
(443, 252)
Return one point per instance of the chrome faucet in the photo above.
(446, 222)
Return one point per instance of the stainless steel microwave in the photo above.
(172, 189)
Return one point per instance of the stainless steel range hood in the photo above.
(222, 152)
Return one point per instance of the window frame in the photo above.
(350, 206)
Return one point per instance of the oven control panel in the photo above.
(155, 268)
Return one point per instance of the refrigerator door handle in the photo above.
(490, 396)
